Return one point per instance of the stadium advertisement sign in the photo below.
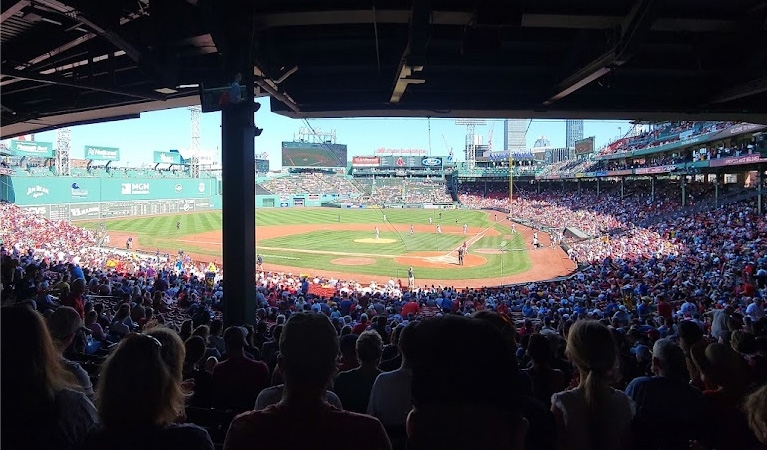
(32, 148)
(652, 170)
(736, 160)
(742, 128)
(99, 153)
(167, 157)
(431, 162)
(618, 173)
(401, 151)
(401, 161)
(366, 161)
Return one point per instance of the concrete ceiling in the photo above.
(78, 61)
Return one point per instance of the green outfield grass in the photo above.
(316, 249)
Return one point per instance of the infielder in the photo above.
(378, 233)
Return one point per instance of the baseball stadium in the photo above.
(370, 218)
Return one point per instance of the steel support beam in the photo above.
(13, 10)
(59, 81)
(747, 89)
(413, 57)
(635, 26)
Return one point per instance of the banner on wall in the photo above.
(167, 157)
(99, 153)
(32, 148)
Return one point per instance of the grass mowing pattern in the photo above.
(160, 232)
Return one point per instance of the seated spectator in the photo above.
(238, 380)
(723, 373)
(446, 353)
(756, 410)
(75, 297)
(348, 350)
(42, 403)
(193, 370)
(308, 351)
(122, 323)
(140, 398)
(669, 411)
(353, 386)
(273, 395)
(390, 398)
(545, 380)
(593, 415)
(91, 322)
(64, 325)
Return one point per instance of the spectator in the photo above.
(64, 325)
(91, 322)
(353, 386)
(308, 350)
(193, 370)
(348, 350)
(238, 380)
(756, 409)
(669, 412)
(545, 380)
(140, 398)
(42, 403)
(390, 398)
(450, 414)
(593, 415)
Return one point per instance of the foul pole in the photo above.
(511, 180)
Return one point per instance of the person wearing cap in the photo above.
(63, 325)
(238, 380)
(308, 350)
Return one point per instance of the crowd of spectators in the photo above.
(652, 345)
(311, 183)
(661, 135)
(388, 191)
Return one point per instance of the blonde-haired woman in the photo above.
(41, 402)
(139, 398)
(593, 416)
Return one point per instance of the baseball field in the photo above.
(343, 243)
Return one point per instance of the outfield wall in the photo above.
(77, 198)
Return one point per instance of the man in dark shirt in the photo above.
(669, 412)
(353, 386)
(238, 380)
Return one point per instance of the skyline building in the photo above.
(573, 132)
(515, 134)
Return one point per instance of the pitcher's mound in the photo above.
(375, 241)
(439, 260)
(353, 261)
(488, 251)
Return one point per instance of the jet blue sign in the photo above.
(431, 162)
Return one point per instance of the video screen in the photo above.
(312, 154)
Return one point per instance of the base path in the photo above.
(547, 262)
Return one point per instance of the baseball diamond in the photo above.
(343, 243)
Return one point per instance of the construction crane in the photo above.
(471, 141)
(490, 137)
(447, 146)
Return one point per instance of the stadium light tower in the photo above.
(471, 141)
(194, 145)
(62, 151)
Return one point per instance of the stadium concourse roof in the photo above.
(79, 61)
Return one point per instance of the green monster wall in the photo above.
(75, 198)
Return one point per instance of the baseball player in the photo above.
(465, 228)
(439, 229)
(378, 233)
(412, 230)
(410, 278)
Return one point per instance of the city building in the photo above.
(573, 132)
(515, 134)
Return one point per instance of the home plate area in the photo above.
(439, 260)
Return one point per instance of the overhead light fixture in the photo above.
(55, 22)
(166, 91)
(187, 86)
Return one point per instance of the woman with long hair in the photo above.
(593, 416)
(140, 397)
(42, 406)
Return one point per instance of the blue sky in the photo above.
(171, 129)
